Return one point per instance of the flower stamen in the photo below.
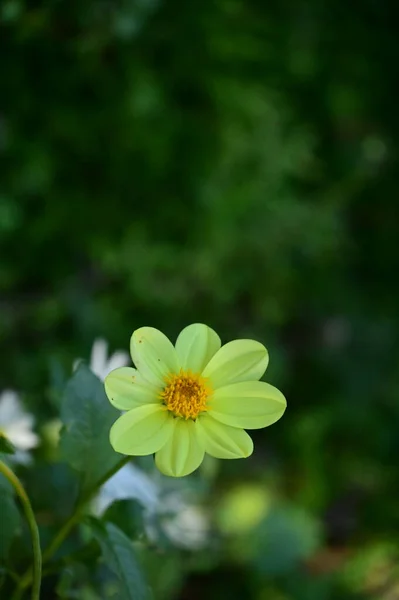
(185, 394)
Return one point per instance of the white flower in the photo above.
(128, 483)
(100, 364)
(185, 524)
(17, 425)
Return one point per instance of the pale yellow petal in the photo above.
(126, 389)
(223, 441)
(247, 405)
(143, 430)
(153, 354)
(240, 360)
(183, 452)
(196, 345)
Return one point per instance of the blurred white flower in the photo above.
(185, 524)
(100, 364)
(129, 482)
(17, 425)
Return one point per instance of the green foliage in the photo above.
(6, 447)
(87, 417)
(119, 556)
(284, 540)
(232, 162)
(9, 520)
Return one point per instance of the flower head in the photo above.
(193, 398)
(17, 425)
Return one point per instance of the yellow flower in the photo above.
(191, 398)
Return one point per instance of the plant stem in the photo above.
(69, 524)
(36, 573)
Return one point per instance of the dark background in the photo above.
(232, 162)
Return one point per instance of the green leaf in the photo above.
(10, 519)
(127, 515)
(74, 583)
(6, 447)
(287, 536)
(87, 417)
(119, 556)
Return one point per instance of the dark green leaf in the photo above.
(87, 417)
(127, 515)
(9, 517)
(6, 447)
(119, 556)
(287, 536)
(73, 583)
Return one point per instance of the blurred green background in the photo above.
(232, 162)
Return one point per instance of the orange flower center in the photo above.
(185, 394)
